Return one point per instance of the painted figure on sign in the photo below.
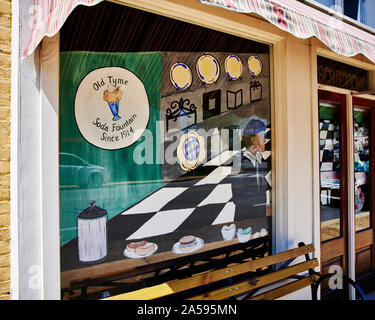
(254, 141)
(254, 145)
(113, 96)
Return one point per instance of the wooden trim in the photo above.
(257, 282)
(364, 238)
(285, 289)
(315, 134)
(332, 249)
(344, 91)
(367, 237)
(175, 286)
(339, 247)
(351, 200)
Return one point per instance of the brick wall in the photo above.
(5, 62)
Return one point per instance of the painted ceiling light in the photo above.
(233, 67)
(181, 76)
(208, 69)
(255, 65)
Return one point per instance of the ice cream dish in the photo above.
(113, 96)
(140, 249)
(228, 232)
(243, 235)
(187, 244)
(146, 249)
(134, 245)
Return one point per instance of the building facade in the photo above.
(298, 87)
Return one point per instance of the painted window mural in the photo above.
(161, 153)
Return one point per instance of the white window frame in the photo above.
(35, 185)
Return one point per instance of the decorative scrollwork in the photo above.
(181, 108)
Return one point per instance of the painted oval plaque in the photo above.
(255, 65)
(208, 69)
(191, 151)
(111, 108)
(180, 76)
(233, 67)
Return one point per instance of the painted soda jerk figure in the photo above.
(254, 141)
(255, 169)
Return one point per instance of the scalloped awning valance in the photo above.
(289, 15)
(305, 22)
(48, 18)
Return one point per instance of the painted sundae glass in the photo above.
(113, 96)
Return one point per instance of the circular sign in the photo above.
(208, 69)
(233, 67)
(111, 108)
(180, 76)
(255, 65)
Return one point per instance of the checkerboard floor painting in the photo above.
(219, 195)
(329, 153)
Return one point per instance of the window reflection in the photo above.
(329, 171)
(361, 168)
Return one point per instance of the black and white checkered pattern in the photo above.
(212, 194)
(329, 145)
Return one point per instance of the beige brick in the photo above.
(4, 246)
(5, 180)
(5, 33)
(4, 194)
(5, 287)
(5, 113)
(5, 20)
(4, 273)
(4, 207)
(5, 60)
(4, 87)
(4, 220)
(5, 6)
(4, 168)
(5, 74)
(4, 215)
(4, 100)
(5, 260)
(4, 149)
(4, 128)
(4, 234)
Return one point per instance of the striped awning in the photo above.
(48, 18)
(305, 22)
(289, 15)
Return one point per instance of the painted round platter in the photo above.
(181, 76)
(176, 247)
(208, 68)
(233, 67)
(133, 255)
(255, 65)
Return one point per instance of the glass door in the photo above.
(363, 135)
(333, 187)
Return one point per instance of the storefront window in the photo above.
(362, 169)
(163, 151)
(330, 179)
